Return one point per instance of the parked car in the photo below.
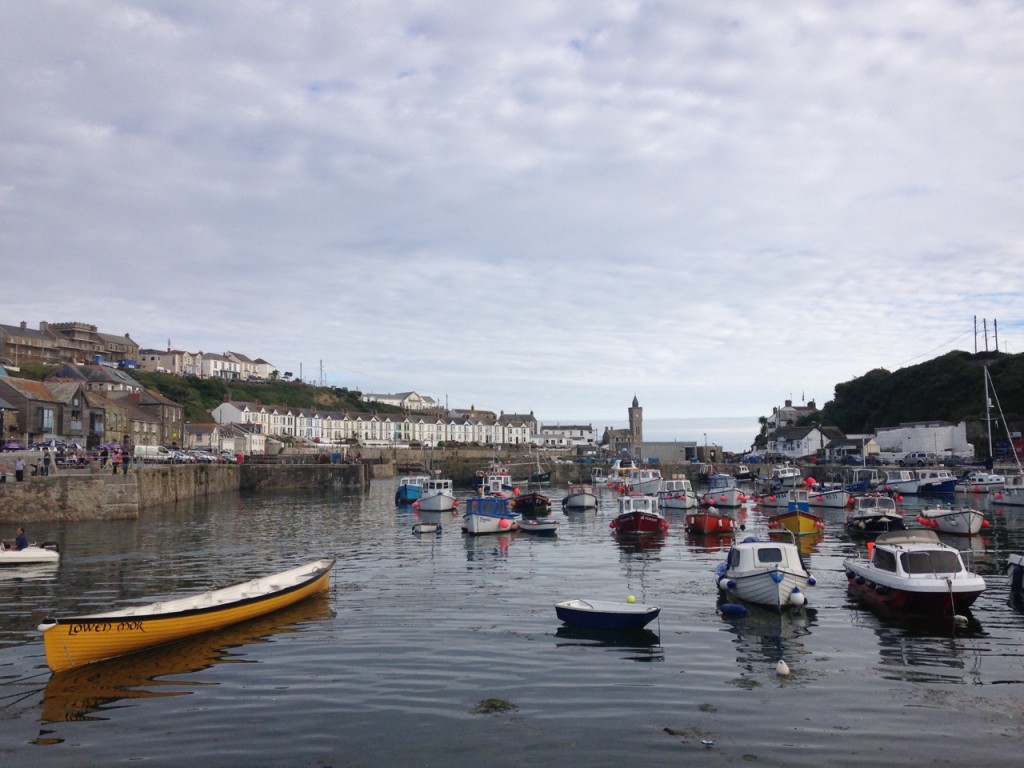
(851, 459)
(917, 459)
(876, 461)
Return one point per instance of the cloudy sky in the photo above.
(523, 206)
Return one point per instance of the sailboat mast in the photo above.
(988, 414)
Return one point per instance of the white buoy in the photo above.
(782, 668)
(960, 620)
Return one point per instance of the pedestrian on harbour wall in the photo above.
(19, 469)
(114, 462)
(103, 458)
(47, 458)
(126, 459)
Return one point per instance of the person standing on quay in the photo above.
(114, 462)
(19, 469)
(126, 459)
(46, 463)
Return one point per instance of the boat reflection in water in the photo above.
(805, 544)
(85, 692)
(923, 649)
(765, 636)
(628, 644)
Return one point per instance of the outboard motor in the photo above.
(53, 546)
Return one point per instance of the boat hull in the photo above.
(708, 522)
(868, 525)
(606, 615)
(640, 524)
(74, 641)
(943, 600)
(438, 502)
(774, 589)
(798, 521)
(541, 526)
(580, 501)
(31, 555)
(958, 522)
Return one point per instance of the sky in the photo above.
(543, 207)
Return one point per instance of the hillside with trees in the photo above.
(948, 388)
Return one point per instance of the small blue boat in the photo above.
(595, 614)
(410, 489)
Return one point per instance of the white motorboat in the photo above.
(642, 480)
(913, 571)
(900, 481)
(438, 495)
(579, 496)
(961, 521)
(35, 554)
(768, 573)
(829, 496)
(980, 481)
(677, 494)
(723, 491)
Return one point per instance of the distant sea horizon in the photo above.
(732, 433)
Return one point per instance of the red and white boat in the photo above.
(912, 571)
(961, 521)
(638, 516)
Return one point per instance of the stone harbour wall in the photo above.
(96, 494)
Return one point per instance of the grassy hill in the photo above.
(201, 396)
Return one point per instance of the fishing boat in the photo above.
(829, 495)
(960, 521)
(912, 571)
(489, 514)
(638, 516)
(579, 496)
(979, 481)
(900, 481)
(47, 553)
(677, 493)
(873, 513)
(533, 504)
(779, 478)
(935, 481)
(539, 525)
(75, 640)
(599, 614)
(797, 516)
(409, 489)
(642, 480)
(723, 491)
(1012, 492)
(709, 520)
(438, 495)
(767, 573)
(494, 481)
(865, 481)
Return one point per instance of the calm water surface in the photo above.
(389, 668)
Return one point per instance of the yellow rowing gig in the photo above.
(77, 640)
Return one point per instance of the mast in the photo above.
(988, 414)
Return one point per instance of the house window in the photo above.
(46, 419)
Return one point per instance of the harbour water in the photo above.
(444, 650)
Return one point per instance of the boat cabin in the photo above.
(764, 555)
(915, 553)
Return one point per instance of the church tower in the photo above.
(636, 427)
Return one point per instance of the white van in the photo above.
(152, 454)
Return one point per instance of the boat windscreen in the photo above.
(769, 555)
(931, 561)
